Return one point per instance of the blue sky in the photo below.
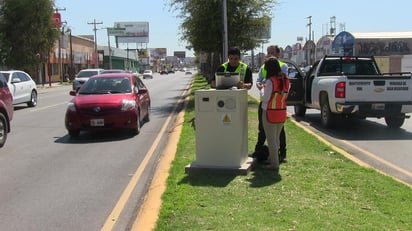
(289, 19)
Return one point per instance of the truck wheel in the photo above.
(394, 121)
(300, 110)
(327, 118)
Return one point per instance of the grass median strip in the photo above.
(319, 189)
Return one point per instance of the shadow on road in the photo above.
(356, 129)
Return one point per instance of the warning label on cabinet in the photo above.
(226, 119)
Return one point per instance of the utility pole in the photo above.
(60, 44)
(225, 36)
(310, 26)
(94, 23)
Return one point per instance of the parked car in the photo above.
(22, 87)
(6, 109)
(83, 75)
(148, 74)
(107, 102)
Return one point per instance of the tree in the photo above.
(26, 32)
(202, 26)
(202, 23)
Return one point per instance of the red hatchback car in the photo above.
(6, 110)
(108, 102)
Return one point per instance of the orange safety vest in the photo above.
(276, 109)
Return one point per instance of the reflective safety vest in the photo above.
(276, 108)
(241, 68)
(265, 73)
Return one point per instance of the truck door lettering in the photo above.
(397, 83)
(364, 83)
(397, 88)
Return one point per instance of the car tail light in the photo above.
(340, 90)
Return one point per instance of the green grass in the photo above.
(319, 189)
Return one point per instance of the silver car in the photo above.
(84, 75)
(148, 74)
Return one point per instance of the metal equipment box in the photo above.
(221, 124)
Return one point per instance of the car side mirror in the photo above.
(73, 93)
(15, 80)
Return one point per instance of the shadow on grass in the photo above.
(207, 179)
(263, 177)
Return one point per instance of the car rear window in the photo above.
(86, 73)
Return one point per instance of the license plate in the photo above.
(97, 122)
(378, 106)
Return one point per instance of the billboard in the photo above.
(134, 32)
(158, 53)
(180, 54)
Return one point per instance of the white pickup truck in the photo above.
(342, 87)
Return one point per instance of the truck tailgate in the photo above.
(379, 89)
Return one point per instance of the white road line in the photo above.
(112, 218)
(47, 107)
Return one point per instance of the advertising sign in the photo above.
(180, 54)
(113, 31)
(134, 32)
(57, 20)
(159, 53)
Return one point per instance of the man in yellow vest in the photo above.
(272, 51)
(235, 65)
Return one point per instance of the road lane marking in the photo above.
(114, 215)
(371, 155)
(356, 159)
(112, 218)
(46, 107)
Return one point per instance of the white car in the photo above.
(84, 75)
(22, 87)
(148, 74)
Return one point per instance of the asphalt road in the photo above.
(51, 182)
(368, 140)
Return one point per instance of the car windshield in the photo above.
(112, 85)
(86, 73)
(147, 71)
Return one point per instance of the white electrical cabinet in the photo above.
(221, 124)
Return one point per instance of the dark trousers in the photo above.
(262, 137)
